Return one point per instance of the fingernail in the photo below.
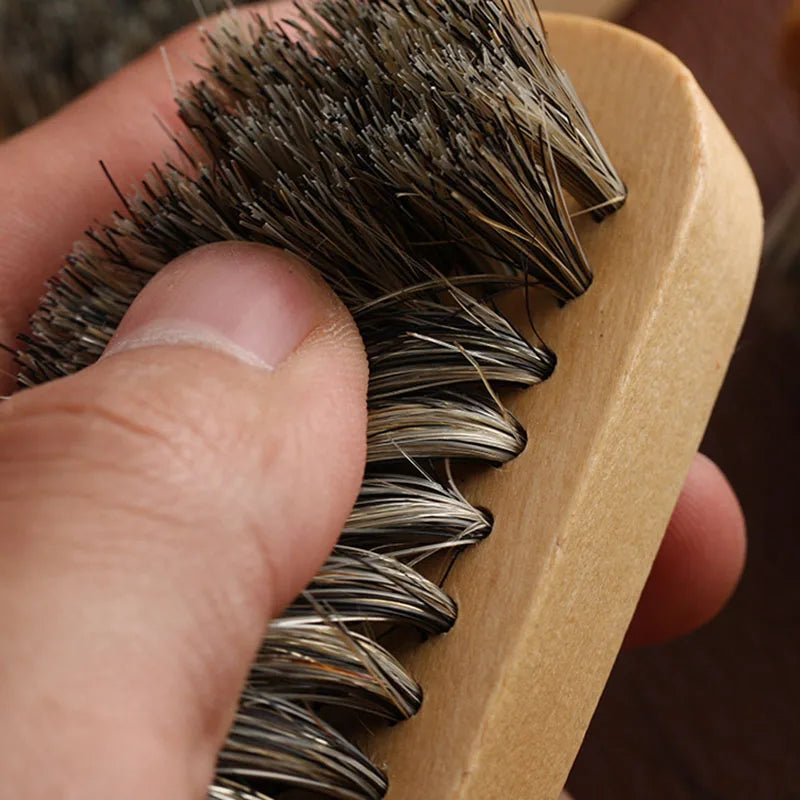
(253, 302)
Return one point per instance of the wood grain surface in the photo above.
(546, 600)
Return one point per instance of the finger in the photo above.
(157, 509)
(700, 560)
(53, 186)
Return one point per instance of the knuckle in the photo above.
(130, 423)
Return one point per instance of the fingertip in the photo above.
(270, 310)
(700, 561)
(255, 302)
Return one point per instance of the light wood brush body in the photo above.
(545, 601)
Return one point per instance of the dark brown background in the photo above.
(717, 715)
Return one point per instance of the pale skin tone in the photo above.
(124, 652)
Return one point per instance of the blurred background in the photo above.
(717, 714)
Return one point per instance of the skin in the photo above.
(124, 652)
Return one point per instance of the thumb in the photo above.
(157, 509)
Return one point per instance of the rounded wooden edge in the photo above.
(703, 296)
(540, 690)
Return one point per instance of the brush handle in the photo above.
(545, 602)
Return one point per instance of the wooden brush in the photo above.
(455, 118)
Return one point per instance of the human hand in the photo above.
(128, 621)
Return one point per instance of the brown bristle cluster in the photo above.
(420, 154)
